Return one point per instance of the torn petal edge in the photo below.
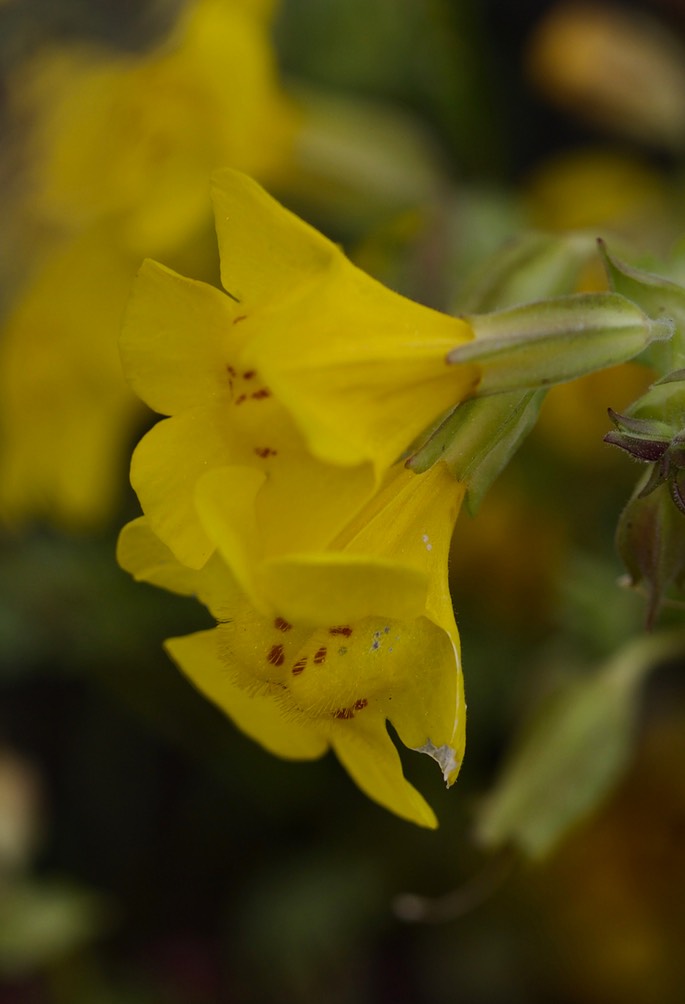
(445, 756)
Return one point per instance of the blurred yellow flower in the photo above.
(136, 136)
(614, 66)
(289, 397)
(66, 414)
(597, 188)
(374, 640)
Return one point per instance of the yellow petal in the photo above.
(259, 715)
(176, 340)
(370, 758)
(297, 503)
(362, 369)
(296, 690)
(344, 674)
(231, 523)
(389, 560)
(141, 553)
(266, 251)
(411, 519)
(337, 586)
(165, 469)
(301, 505)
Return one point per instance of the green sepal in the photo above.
(478, 439)
(662, 405)
(659, 298)
(573, 752)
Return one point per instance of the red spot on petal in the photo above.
(263, 392)
(241, 398)
(320, 655)
(282, 625)
(249, 374)
(361, 703)
(231, 371)
(344, 713)
(275, 655)
(265, 452)
(299, 666)
(240, 317)
(344, 629)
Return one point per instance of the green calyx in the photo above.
(536, 345)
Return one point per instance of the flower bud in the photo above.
(650, 539)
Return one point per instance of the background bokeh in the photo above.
(150, 854)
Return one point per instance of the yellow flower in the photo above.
(137, 135)
(364, 649)
(305, 365)
(66, 414)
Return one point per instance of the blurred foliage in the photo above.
(148, 852)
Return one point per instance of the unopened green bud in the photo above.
(552, 341)
(650, 539)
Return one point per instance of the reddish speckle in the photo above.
(345, 630)
(265, 452)
(282, 625)
(231, 372)
(346, 713)
(241, 398)
(263, 392)
(320, 655)
(249, 374)
(240, 317)
(275, 655)
(299, 666)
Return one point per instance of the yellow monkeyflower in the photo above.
(136, 136)
(356, 656)
(289, 395)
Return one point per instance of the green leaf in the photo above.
(573, 753)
